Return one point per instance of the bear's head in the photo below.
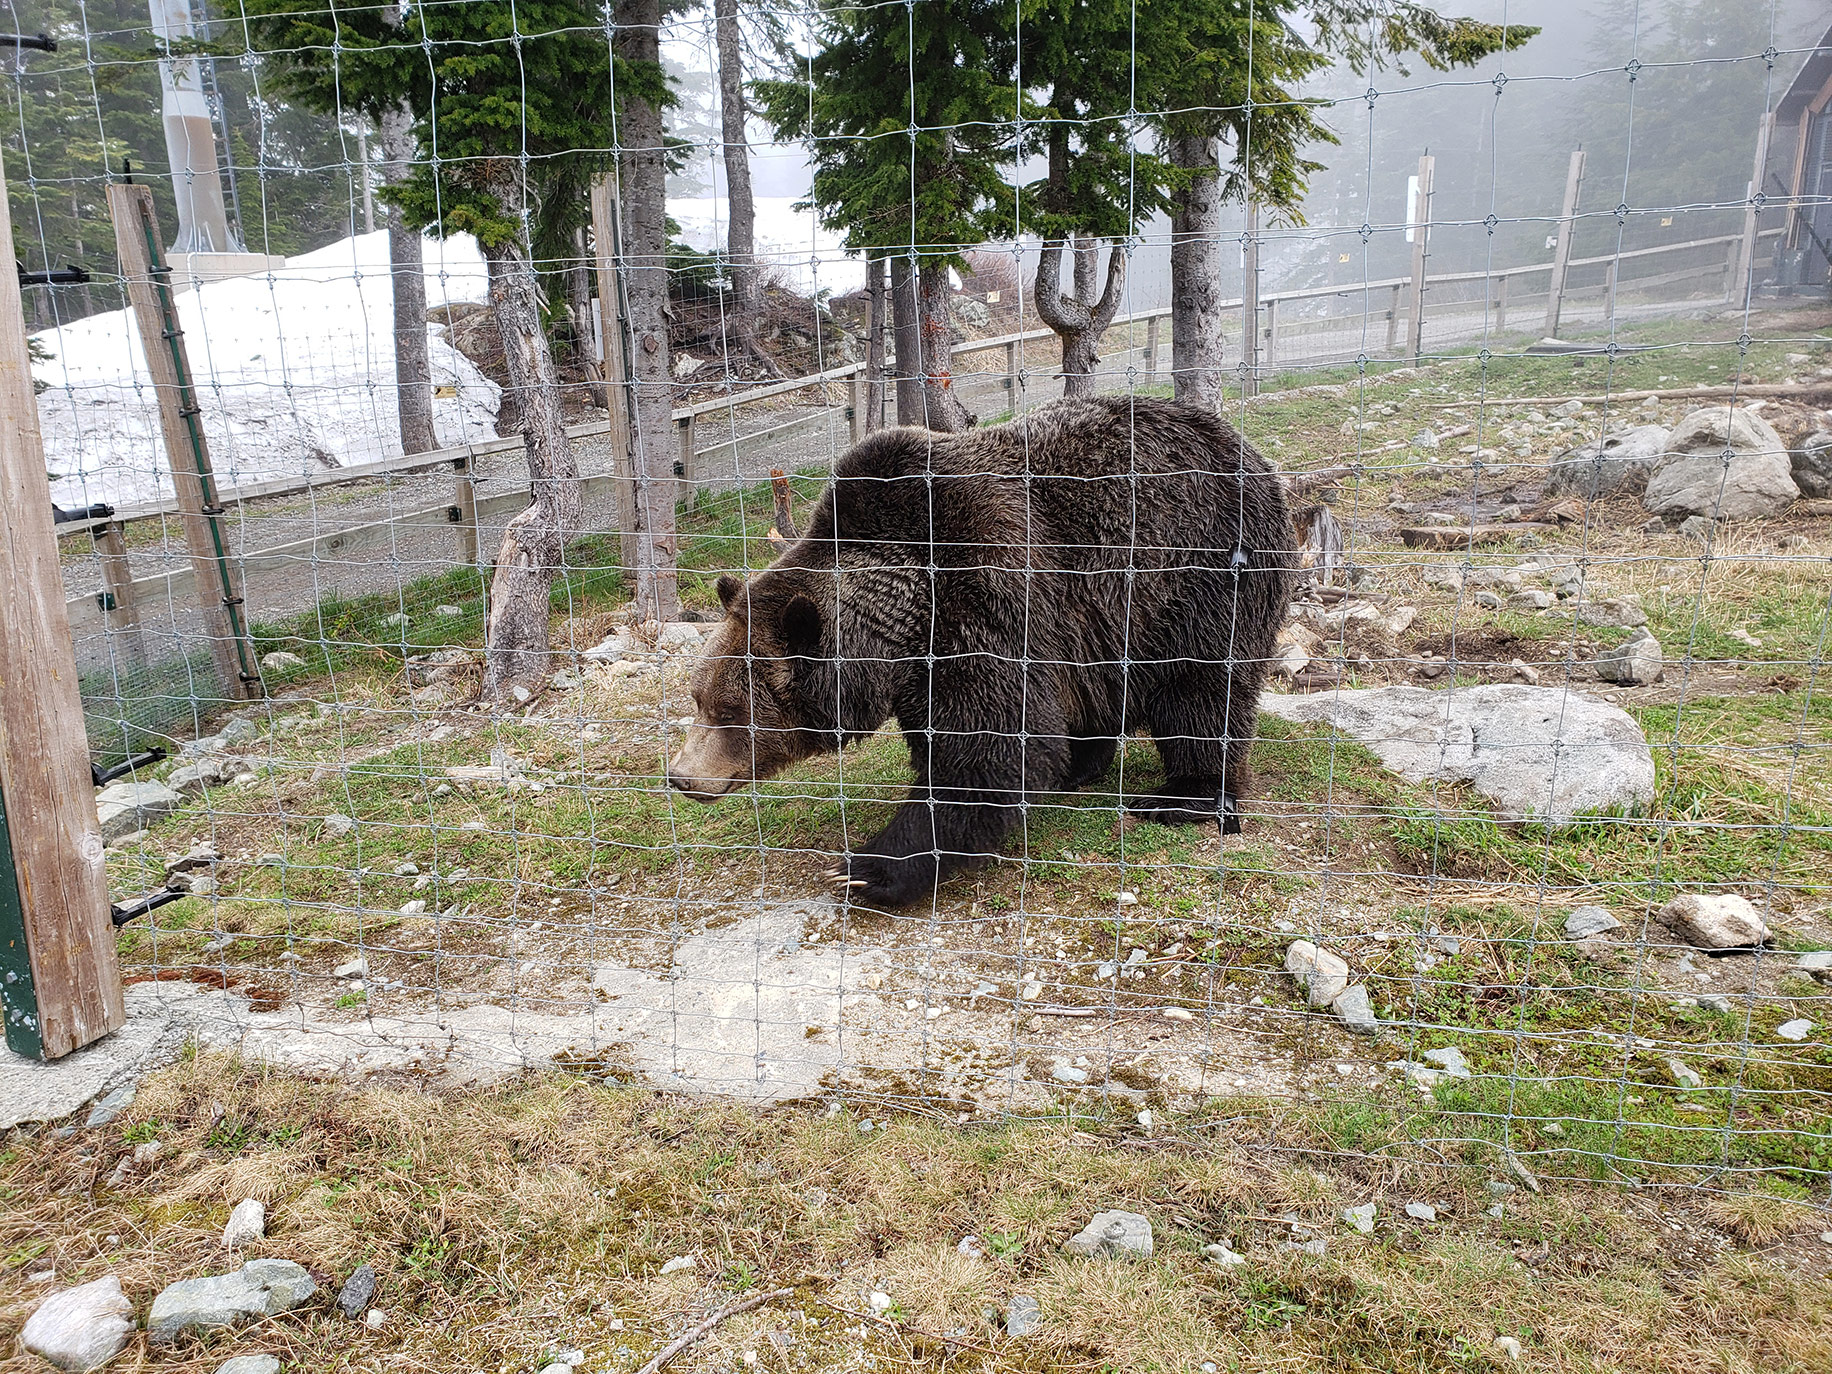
(764, 690)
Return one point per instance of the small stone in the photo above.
(358, 1291)
(1355, 1011)
(880, 1301)
(80, 1328)
(247, 1223)
(1023, 1315)
(280, 661)
(678, 1264)
(1317, 1245)
(1715, 1002)
(414, 908)
(1421, 1211)
(1179, 1014)
(1064, 1072)
(1521, 671)
(1112, 1233)
(1636, 663)
(1322, 974)
(1450, 1060)
(1816, 962)
(1361, 1218)
(336, 826)
(126, 807)
(1586, 921)
(375, 1318)
(1030, 992)
(1699, 528)
(1725, 921)
(1223, 1255)
(1797, 1029)
(1498, 1211)
(353, 968)
(110, 1107)
(250, 1364)
(1508, 1346)
(970, 1247)
(1521, 1171)
(1684, 1076)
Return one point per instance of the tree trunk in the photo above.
(645, 217)
(1195, 277)
(413, 378)
(874, 344)
(942, 407)
(534, 544)
(579, 306)
(1079, 321)
(906, 323)
(740, 248)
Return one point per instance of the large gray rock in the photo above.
(81, 1327)
(1112, 1233)
(212, 770)
(260, 1288)
(124, 807)
(1538, 753)
(1725, 921)
(1617, 463)
(1725, 463)
(1812, 465)
(1354, 1010)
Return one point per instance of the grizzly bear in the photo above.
(1021, 598)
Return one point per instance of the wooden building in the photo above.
(1800, 167)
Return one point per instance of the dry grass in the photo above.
(1761, 1218)
(510, 1223)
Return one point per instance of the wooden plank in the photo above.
(1561, 253)
(1743, 279)
(219, 591)
(119, 601)
(1466, 536)
(54, 914)
(605, 241)
(1421, 252)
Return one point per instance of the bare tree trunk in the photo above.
(413, 377)
(1079, 321)
(746, 306)
(534, 544)
(942, 406)
(1195, 277)
(874, 344)
(906, 323)
(645, 216)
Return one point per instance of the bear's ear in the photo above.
(728, 587)
(801, 627)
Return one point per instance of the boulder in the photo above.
(1321, 974)
(1617, 463)
(212, 770)
(80, 1328)
(1635, 663)
(1725, 463)
(1538, 753)
(1812, 465)
(1726, 921)
(260, 1288)
(124, 807)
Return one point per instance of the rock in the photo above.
(1450, 1060)
(336, 826)
(1421, 1211)
(213, 770)
(124, 807)
(357, 1293)
(1508, 1346)
(1634, 663)
(375, 1318)
(678, 1264)
(1721, 922)
(448, 612)
(1354, 1010)
(1112, 1233)
(1616, 612)
(1064, 1072)
(1798, 1029)
(1586, 921)
(238, 730)
(1817, 963)
(352, 968)
(880, 1301)
(1361, 1218)
(1617, 463)
(1532, 599)
(1684, 1076)
(1520, 1171)
(1811, 465)
(82, 1327)
(109, 1107)
(1321, 974)
(1538, 753)
(1023, 1315)
(1223, 1254)
(261, 1288)
(280, 661)
(248, 1222)
(1489, 601)
(678, 634)
(250, 1364)
(1524, 672)
(1700, 529)
(1714, 1001)
(1696, 477)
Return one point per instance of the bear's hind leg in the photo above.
(1190, 711)
(1089, 758)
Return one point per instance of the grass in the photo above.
(511, 1223)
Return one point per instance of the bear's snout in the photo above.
(705, 767)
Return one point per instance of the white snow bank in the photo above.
(294, 371)
(790, 243)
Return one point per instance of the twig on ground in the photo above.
(680, 1343)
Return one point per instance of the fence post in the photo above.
(605, 248)
(1561, 255)
(1746, 255)
(685, 468)
(1393, 318)
(120, 604)
(1501, 304)
(1151, 349)
(1272, 333)
(149, 291)
(1609, 290)
(855, 407)
(60, 981)
(1249, 304)
(1421, 239)
(1011, 375)
(467, 510)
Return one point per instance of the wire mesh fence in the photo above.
(1532, 821)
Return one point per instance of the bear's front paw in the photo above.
(874, 880)
(1177, 808)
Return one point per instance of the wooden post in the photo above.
(1249, 304)
(686, 469)
(855, 407)
(1609, 290)
(467, 510)
(60, 983)
(1393, 318)
(1011, 375)
(1421, 241)
(1501, 304)
(1151, 349)
(605, 249)
(1561, 255)
(149, 291)
(1745, 278)
(1272, 333)
(120, 605)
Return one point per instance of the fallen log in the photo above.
(1467, 536)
